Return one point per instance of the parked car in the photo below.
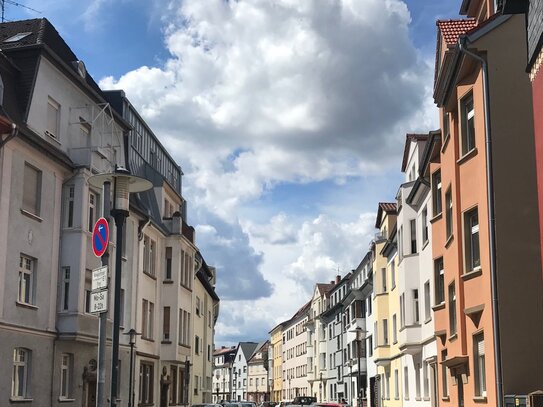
(206, 405)
(303, 401)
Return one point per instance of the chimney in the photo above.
(338, 279)
(176, 223)
(332, 282)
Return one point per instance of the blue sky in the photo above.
(288, 118)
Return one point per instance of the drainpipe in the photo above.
(14, 131)
(463, 42)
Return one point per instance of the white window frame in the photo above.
(65, 288)
(53, 108)
(416, 309)
(66, 376)
(22, 359)
(479, 364)
(33, 207)
(69, 206)
(27, 280)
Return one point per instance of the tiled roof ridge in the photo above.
(452, 29)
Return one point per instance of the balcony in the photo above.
(409, 339)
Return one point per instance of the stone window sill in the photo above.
(467, 156)
(438, 307)
(453, 337)
(29, 306)
(20, 400)
(476, 272)
(65, 400)
(449, 241)
(436, 217)
(35, 217)
(479, 399)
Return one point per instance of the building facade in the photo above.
(244, 352)
(481, 300)
(276, 352)
(258, 389)
(223, 359)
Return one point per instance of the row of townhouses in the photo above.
(444, 308)
(241, 372)
(58, 129)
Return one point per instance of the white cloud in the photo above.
(278, 91)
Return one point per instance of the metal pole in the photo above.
(102, 324)
(120, 217)
(131, 384)
(358, 375)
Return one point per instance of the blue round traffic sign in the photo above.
(100, 237)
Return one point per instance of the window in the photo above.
(448, 213)
(92, 210)
(198, 306)
(27, 279)
(66, 374)
(417, 381)
(471, 240)
(166, 324)
(446, 127)
(402, 311)
(439, 278)
(69, 207)
(184, 327)
(468, 124)
(173, 378)
(436, 193)
(424, 220)
(406, 383)
(32, 189)
(394, 329)
(65, 288)
(413, 229)
(168, 273)
(375, 332)
(147, 324)
(416, 312)
(53, 118)
(197, 345)
(20, 378)
(369, 306)
(384, 279)
(385, 332)
(387, 384)
(149, 250)
(370, 346)
(146, 383)
(88, 288)
(479, 365)
(426, 381)
(400, 243)
(392, 274)
(427, 302)
(396, 385)
(452, 309)
(444, 374)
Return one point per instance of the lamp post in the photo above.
(123, 185)
(320, 387)
(217, 376)
(132, 341)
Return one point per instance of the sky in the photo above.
(288, 118)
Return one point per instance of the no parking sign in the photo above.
(100, 237)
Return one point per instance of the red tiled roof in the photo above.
(452, 29)
(226, 349)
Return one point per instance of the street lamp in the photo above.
(218, 376)
(123, 185)
(132, 341)
(320, 387)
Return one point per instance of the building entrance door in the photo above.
(91, 394)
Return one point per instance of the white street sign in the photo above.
(99, 278)
(98, 302)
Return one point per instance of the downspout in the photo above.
(463, 41)
(14, 131)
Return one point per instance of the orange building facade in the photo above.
(488, 344)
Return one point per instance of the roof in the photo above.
(451, 30)
(324, 287)
(409, 137)
(261, 348)
(42, 37)
(387, 207)
(247, 348)
(224, 350)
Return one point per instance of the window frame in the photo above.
(68, 369)
(30, 283)
(54, 108)
(453, 323)
(472, 243)
(21, 391)
(448, 213)
(36, 193)
(479, 365)
(467, 119)
(146, 386)
(437, 198)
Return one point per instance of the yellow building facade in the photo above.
(386, 305)
(276, 347)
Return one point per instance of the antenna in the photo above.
(14, 3)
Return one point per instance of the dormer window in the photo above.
(17, 37)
